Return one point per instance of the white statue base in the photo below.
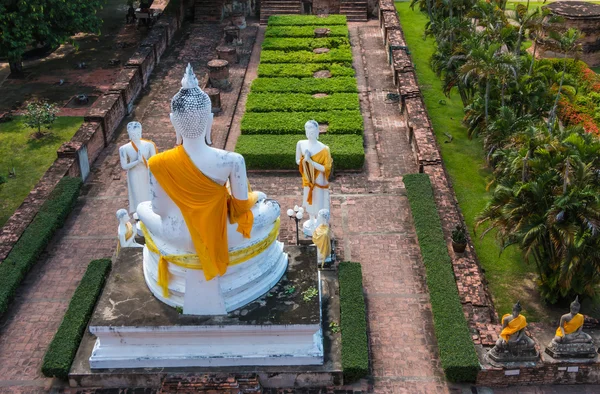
(136, 330)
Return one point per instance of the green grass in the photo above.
(61, 352)
(278, 152)
(30, 158)
(305, 85)
(338, 122)
(306, 20)
(304, 31)
(303, 70)
(596, 70)
(303, 44)
(294, 102)
(464, 160)
(355, 346)
(342, 54)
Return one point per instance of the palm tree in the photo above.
(522, 19)
(544, 19)
(566, 44)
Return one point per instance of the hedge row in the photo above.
(306, 20)
(292, 102)
(303, 44)
(355, 347)
(35, 238)
(457, 353)
(304, 31)
(304, 70)
(305, 85)
(342, 54)
(61, 352)
(275, 152)
(339, 122)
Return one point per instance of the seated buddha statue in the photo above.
(569, 340)
(514, 345)
(210, 240)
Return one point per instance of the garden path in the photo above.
(370, 211)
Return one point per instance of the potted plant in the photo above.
(459, 239)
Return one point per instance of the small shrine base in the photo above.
(142, 341)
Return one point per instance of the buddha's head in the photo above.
(517, 309)
(190, 108)
(575, 306)
(134, 130)
(323, 217)
(312, 130)
(122, 216)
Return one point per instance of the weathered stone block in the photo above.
(129, 85)
(169, 23)
(144, 60)
(109, 111)
(157, 40)
(389, 21)
(90, 135)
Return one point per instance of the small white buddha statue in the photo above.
(314, 162)
(125, 232)
(322, 236)
(210, 241)
(134, 157)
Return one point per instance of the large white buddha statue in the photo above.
(211, 243)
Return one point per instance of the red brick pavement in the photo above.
(371, 219)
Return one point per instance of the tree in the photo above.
(49, 22)
(566, 44)
(40, 115)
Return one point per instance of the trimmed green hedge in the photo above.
(304, 70)
(35, 238)
(304, 31)
(305, 85)
(342, 54)
(306, 20)
(275, 152)
(355, 347)
(293, 102)
(303, 44)
(61, 352)
(339, 122)
(457, 353)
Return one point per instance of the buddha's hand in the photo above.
(307, 155)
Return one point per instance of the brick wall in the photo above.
(101, 122)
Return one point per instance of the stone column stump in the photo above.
(239, 20)
(218, 73)
(227, 53)
(215, 99)
(322, 33)
(232, 35)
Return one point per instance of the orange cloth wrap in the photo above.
(137, 150)
(571, 326)
(310, 175)
(204, 205)
(515, 325)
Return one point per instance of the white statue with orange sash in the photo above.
(514, 345)
(314, 163)
(126, 237)
(134, 158)
(211, 243)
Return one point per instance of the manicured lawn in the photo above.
(510, 279)
(596, 69)
(30, 158)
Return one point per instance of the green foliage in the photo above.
(304, 31)
(35, 238)
(305, 85)
(457, 353)
(303, 44)
(304, 70)
(355, 347)
(61, 352)
(306, 20)
(40, 115)
(293, 102)
(309, 294)
(339, 122)
(278, 152)
(342, 54)
(24, 23)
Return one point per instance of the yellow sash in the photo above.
(128, 235)
(205, 206)
(322, 239)
(192, 261)
(515, 325)
(137, 150)
(310, 174)
(572, 325)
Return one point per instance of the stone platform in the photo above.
(143, 341)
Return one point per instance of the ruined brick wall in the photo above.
(101, 122)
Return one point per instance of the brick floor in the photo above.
(370, 217)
